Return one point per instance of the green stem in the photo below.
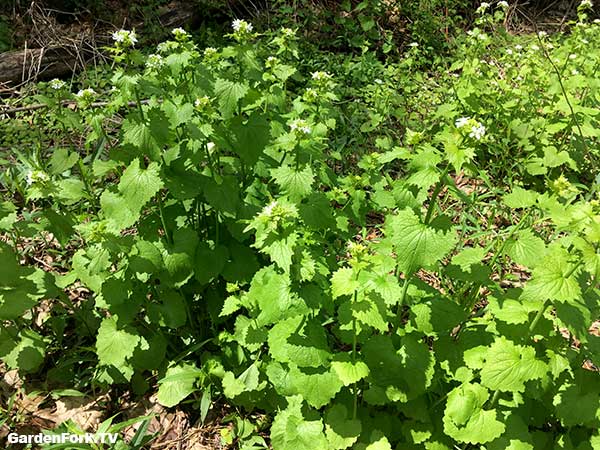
(354, 388)
(402, 298)
(434, 195)
(162, 219)
(139, 104)
(537, 317)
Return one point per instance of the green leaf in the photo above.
(554, 278)
(578, 403)
(299, 341)
(229, 93)
(270, 291)
(136, 187)
(508, 366)
(62, 160)
(246, 137)
(381, 443)
(511, 310)
(469, 257)
(209, 262)
(341, 432)
(403, 373)
(296, 184)
(525, 248)
(115, 346)
(417, 245)
(520, 198)
(8, 215)
(347, 371)
(23, 350)
(21, 287)
(223, 196)
(316, 386)
(465, 419)
(343, 282)
(177, 384)
(247, 381)
(291, 431)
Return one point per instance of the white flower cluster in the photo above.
(311, 95)
(586, 4)
(210, 52)
(241, 26)
(300, 126)
(477, 130)
(271, 61)
(202, 102)
(180, 34)
(320, 76)
(478, 34)
(503, 4)
(482, 7)
(166, 47)
(36, 176)
(86, 94)
(288, 32)
(57, 84)
(155, 62)
(275, 211)
(125, 38)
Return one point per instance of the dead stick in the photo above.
(65, 103)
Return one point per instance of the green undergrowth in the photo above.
(375, 256)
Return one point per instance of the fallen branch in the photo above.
(67, 103)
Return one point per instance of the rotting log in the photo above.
(19, 66)
(23, 65)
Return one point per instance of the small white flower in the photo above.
(57, 84)
(586, 4)
(86, 94)
(542, 34)
(320, 76)
(36, 176)
(210, 146)
(164, 47)
(413, 44)
(503, 4)
(482, 7)
(155, 62)
(311, 95)
(241, 26)
(534, 47)
(378, 81)
(572, 56)
(125, 38)
(509, 51)
(268, 210)
(477, 131)
(288, 32)
(300, 126)
(180, 33)
(574, 72)
(518, 47)
(201, 102)
(210, 52)
(462, 122)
